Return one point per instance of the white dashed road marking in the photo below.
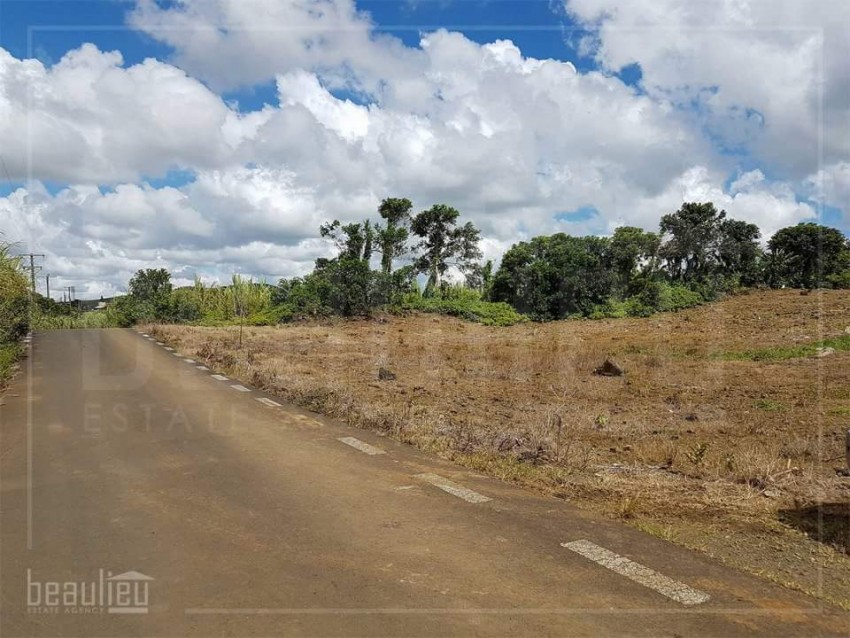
(638, 573)
(202, 367)
(160, 343)
(240, 388)
(360, 445)
(219, 377)
(169, 349)
(189, 360)
(268, 402)
(453, 488)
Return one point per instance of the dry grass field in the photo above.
(723, 434)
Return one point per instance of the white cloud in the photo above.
(89, 119)
(234, 43)
(96, 240)
(831, 186)
(755, 69)
(509, 140)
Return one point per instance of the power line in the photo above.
(33, 268)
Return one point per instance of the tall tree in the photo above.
(392, 238)
(151, 285)
(692, 235)
(150, 292)
(443, 243)
(738, 251)
(807, 254)
(633, 251)
(480, 277)
(353, 241)
(555, 277)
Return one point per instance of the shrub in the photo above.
(465, 304)
(14, 297)
(839, 280)
(282, 313)
(677, 297)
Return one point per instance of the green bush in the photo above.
(14, 297)
(839, 280)
(637, 307)
(676, 297)
(9, 354)
(76, 320)
(282, 313)
(463, 303)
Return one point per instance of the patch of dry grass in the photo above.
(690, 445)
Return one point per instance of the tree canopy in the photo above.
(808, 255)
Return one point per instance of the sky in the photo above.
(213, 137)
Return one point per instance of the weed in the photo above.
(696, 454)
(9, 354)
(627, 508)
(769, 405)
(664, 532)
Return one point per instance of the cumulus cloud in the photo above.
(831, 186)
(97, 239)
(90, 119)
(764, 76)
(516, 143)
(260, 39)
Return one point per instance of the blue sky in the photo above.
(194, 161)
(47, 29)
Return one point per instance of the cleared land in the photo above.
(723, 434)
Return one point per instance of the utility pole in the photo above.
(33, 270)
(48, 285)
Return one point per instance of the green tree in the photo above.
(349, 282)
(150, 284)
(342, 284)
(555, 277)
(634, 252)
(480, 278)
(392, 238)
(738, 252)
(693, 235)
(150, 291)
(807, 255)
(353, 241)
(444, 244)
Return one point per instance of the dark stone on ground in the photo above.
(609, 369)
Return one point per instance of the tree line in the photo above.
(698, 254)
(403, 261)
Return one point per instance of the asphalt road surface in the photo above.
(142, 496)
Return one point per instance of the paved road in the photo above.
(218, 514)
